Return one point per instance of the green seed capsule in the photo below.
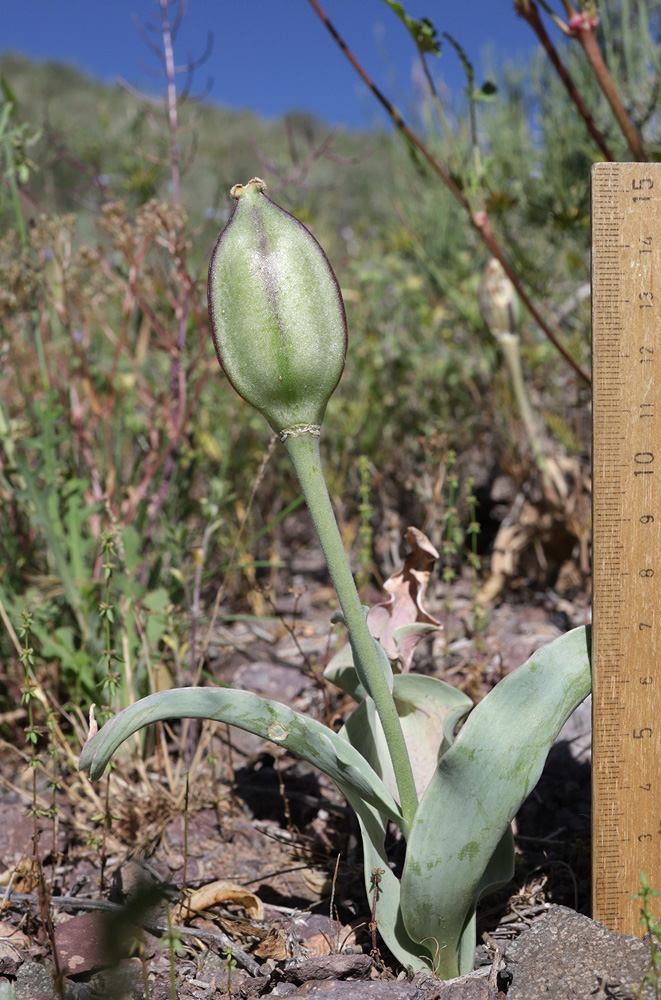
(276, 311)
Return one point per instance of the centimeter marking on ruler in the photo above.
(626, 634)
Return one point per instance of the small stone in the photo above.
(329, 967)
(78, 991)
(568, 956)
(34, 980)
(82, 943)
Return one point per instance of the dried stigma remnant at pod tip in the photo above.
(276, 311)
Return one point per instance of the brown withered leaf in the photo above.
(215, 893)
(23, 877)
(12, 941)
(512, 538)
(274, 946)
(320, 944)
(402, 621)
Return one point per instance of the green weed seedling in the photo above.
(280, 334)
(652, 928)
(231, 963)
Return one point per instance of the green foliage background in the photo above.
(114, 416)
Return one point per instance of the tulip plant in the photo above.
(279, 329)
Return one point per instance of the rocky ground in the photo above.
(256, 888)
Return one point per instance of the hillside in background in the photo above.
(100, 143)
(424, 377)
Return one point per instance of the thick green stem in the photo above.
(306, 458)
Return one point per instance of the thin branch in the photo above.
(155, 102)
(391, 109)
(582, 25)
(482, 224)
(154, 927)
(178, 17)
(196, 63)
(300, 167)
(586, 36)
(479, 220)
(528, 11)
(172, 98)
(152, 46)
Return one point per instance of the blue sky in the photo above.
(271, 56)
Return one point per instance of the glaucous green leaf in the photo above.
(389, 918)
(478, 787)
(342, 672)
(300, 734)
(429, 710)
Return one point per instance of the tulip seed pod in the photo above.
(276, 311)
(500, 305)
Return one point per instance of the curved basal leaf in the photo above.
(359, 731)
(342, 669)
(341, 672)
(390, 922)
(407, 637)
(500, 869)
(270, 720)
(478, 787)
(499, 872)
(429, 710)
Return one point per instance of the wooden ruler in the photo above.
(626, 646)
